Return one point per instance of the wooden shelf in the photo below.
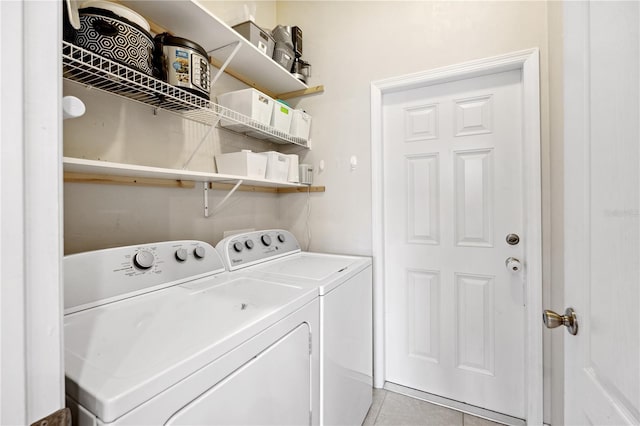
(189, 19)
(105, 172)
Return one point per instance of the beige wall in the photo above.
(554, 297)
(99, 216)
(349, 45)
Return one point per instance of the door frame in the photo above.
(528, 62)
(31, 346)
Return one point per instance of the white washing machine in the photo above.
(161, 334)
(344, 285)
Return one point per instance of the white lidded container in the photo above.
(249, 102)
(281, 117)
(277, 166)
(300, 124)
(243, 163)
(294, 173)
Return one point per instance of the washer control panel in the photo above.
(101, 276)
(242, 250)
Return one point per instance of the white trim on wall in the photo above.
(43, 207)
(31, 357)
(528, 62)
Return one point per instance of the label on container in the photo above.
(181, 66)
(284, 110)
(263, 99)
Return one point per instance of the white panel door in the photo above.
(452, 193)
(602, 212)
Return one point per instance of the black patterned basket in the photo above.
(116, 38)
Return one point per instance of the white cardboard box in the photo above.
(294, 173)
(281, 117)
(277, 166)
(300, 124)
(249, 102)
(243, 163)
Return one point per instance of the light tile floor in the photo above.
(393, 409)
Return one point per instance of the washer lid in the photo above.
(120, 355)
(327, 270)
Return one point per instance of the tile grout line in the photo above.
(384, 398)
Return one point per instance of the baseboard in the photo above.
(455, 405)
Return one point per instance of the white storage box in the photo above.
(243, 163)
(300, 124)
(281, 117)
(249, 102)
(294, 173)
(277, 166)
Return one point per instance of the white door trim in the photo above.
(31, 347)
(528, 62)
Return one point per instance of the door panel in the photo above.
(602, 219)
(453, 191)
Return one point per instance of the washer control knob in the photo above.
(237, 246)
(143, 259)
(281, 238)
(181, 254)
(249, 244)
(266, 240)
(199, 252)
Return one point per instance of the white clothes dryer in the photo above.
(344, 285)
(161, 334)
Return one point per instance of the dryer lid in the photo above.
(326, 270)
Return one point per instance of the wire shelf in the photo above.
(93, 70)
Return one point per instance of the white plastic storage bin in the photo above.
(277, 166)
(294, 173)
(249, 102)
(243, 163)
(300, 124)
(281, 117)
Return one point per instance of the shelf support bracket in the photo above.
(204, 138)
(206, 199)
(226, 62)
(224, 200)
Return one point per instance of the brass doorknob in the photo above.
(569, 320)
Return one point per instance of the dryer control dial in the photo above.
(143, 259)
(266, 240)
(181, 254)
(249, 244)
(281, 238)
(237, 246)
(199, 252)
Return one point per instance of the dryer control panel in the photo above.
(249, 248)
